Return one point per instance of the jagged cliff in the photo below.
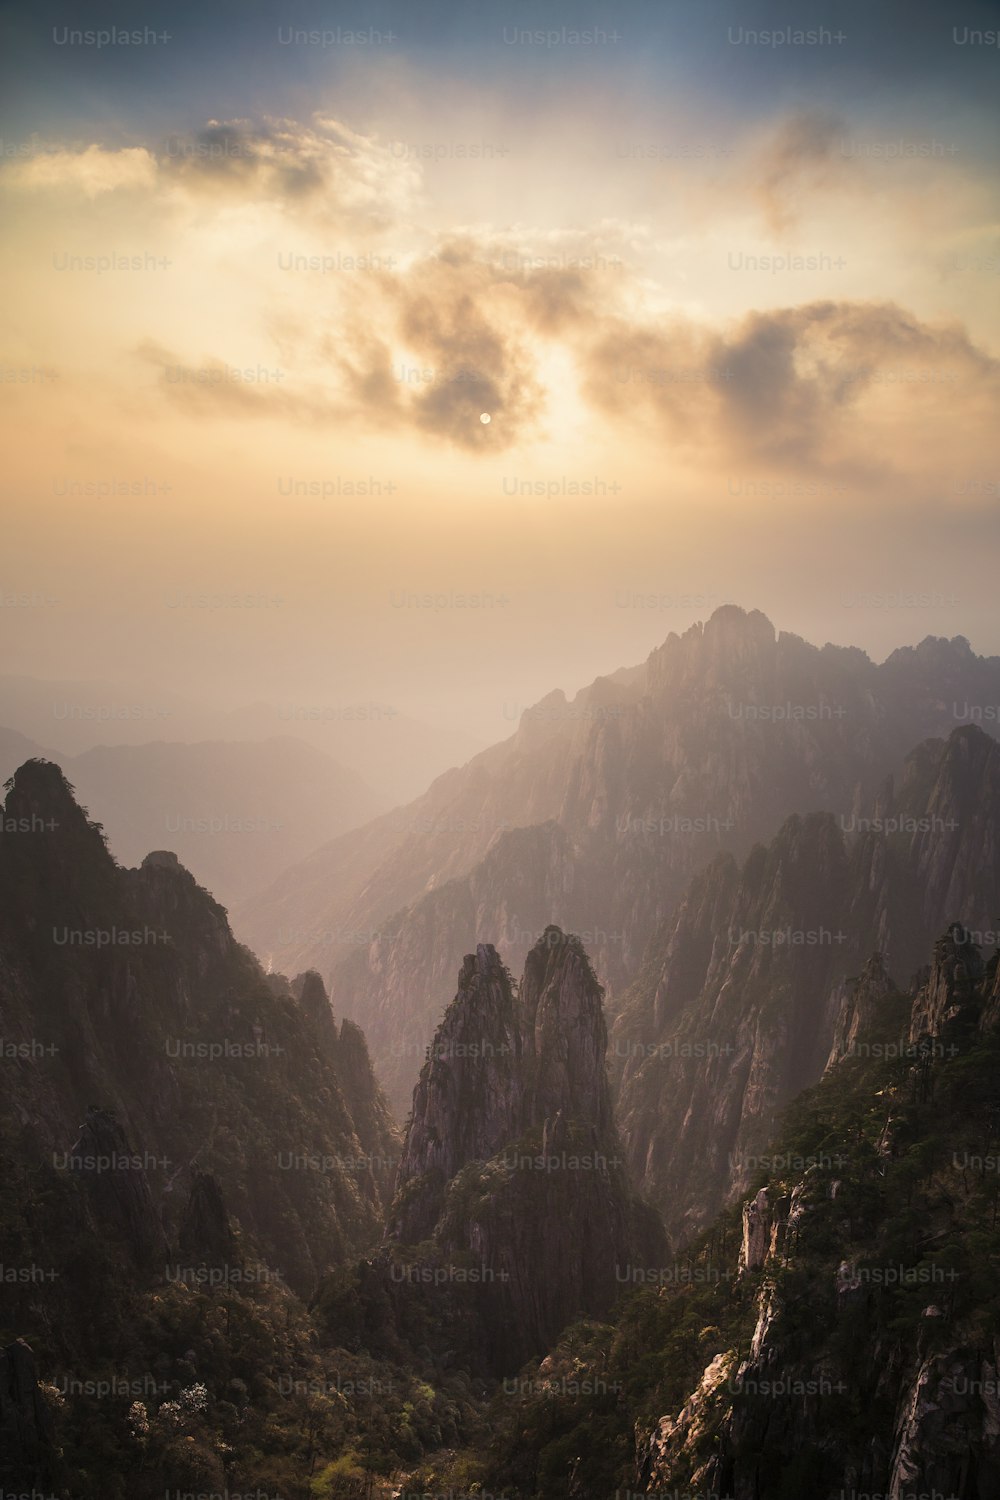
(512, 1165)
(889, 1385)
(136, 1027)
(470, 1096)
(748, 991)
(835, 1334)
(597, 813)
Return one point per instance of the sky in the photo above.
(722, 276)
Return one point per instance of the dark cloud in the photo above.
(321, 169)
(469, 351)
(237, 156)
(792, 385)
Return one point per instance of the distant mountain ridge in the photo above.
(234, 812)
(396, 754)
(597, 813)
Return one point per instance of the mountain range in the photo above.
(395, 753)
(598, 812)
(704, 1202)
(234, 812)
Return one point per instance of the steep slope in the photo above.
(834, 1335)
(896, 1242)
(748, 990)
(125, 990)
(512, 1164)
(626, 792)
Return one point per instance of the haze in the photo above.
(237, 479)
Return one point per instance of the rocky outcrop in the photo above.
(126, 987)
(756, 1244)
(470, 1098)
(948, 1431)
(565, 1036)
(952, 993)
(856, 1003)
(512, 1167)
(842, 1388)
(117, 1187)
(310, 991)
(206, 1234)
(675, 1437)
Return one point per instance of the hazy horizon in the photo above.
(164, 705)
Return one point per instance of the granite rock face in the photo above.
(856, 1001)
(766, 973)
(948, 1425)
(512, 1167)
(856, 1402)
(756, 1232)
(470, 1098)
(951, 994)
(565, 1037)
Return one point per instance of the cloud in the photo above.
(321, 169)
(475, 317)
(484, 316)
(850, 387)
(464, 350)
(92, 171)
(789, 385)
(211, 387)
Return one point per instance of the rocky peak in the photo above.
(858, 1001)
(952, 992)
(117, 1187)
(543, 721)
(470, 1095)
(565, 1036)
(512, 1154)
(132, 982)
(53, 857)
(39, 790)
(161, 859)
(730, 644)
(310, 991)
(205, 1232)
